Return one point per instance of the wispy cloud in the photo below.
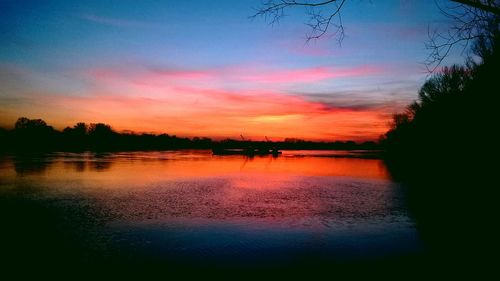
(117, 22)
(391, 99)
(307, 75)
(241, 75)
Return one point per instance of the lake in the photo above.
(189, 207)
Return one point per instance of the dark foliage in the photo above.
(35, 135)
(453, 117)
(442, 147)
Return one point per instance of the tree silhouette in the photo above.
(440, 147)
(433, 122)
(25, 124)
(452, 80)
(100, 130)
(76, 136)
(33, 133)
(454, 110)
(80, 128)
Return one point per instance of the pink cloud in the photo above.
(185, 74)
(307, 75)
(241, 75)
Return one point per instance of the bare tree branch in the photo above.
(474, 21)
(320, 20)
(481, 5)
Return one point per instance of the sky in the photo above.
(205, 68)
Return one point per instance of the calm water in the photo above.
(192, 207)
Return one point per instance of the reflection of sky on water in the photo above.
(195, 205)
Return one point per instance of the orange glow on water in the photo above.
(123, 170)
(181, 186)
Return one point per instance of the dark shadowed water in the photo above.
(189, 207)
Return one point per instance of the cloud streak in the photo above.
(308, 75)
(242, 74)
(116, 22)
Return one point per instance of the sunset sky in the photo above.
(203, 68)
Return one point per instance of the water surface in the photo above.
(191, 207)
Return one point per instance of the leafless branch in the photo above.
(322, 15)
(473, 21)
(488, 6)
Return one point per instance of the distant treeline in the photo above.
(37, 135)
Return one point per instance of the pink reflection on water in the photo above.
(161, 186)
